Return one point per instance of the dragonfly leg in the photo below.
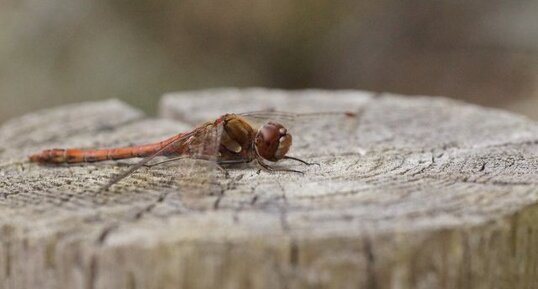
(187, 157)
(167, 161)
(233, 162)
(273, 169)
(301, 161)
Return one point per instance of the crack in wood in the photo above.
(429, 167)
(92, 274)
(105, 233)
(371, 281)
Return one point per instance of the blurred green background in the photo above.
(61, 51)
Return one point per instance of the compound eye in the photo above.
(272, 141)
(283, 146)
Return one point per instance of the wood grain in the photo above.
(416, 193)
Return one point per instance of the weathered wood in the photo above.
(432, 193)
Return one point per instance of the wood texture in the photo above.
(421, 193)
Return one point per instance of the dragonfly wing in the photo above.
(197, 179)
(314, 134)
(188, 180)
(146, 160)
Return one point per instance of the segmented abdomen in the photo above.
(75, 155)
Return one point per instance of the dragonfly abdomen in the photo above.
(75, 155)
(89, 155)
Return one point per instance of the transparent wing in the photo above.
(145, 162)
(314, 134)
(192, 173)
(197, 172)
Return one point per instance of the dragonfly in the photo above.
(230, 139)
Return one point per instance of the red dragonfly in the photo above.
(230, 139)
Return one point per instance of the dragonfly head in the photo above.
(272, 141)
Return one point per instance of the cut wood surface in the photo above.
(418, 192)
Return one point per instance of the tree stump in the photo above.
(434, 194)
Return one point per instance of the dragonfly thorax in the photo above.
(272, 141)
